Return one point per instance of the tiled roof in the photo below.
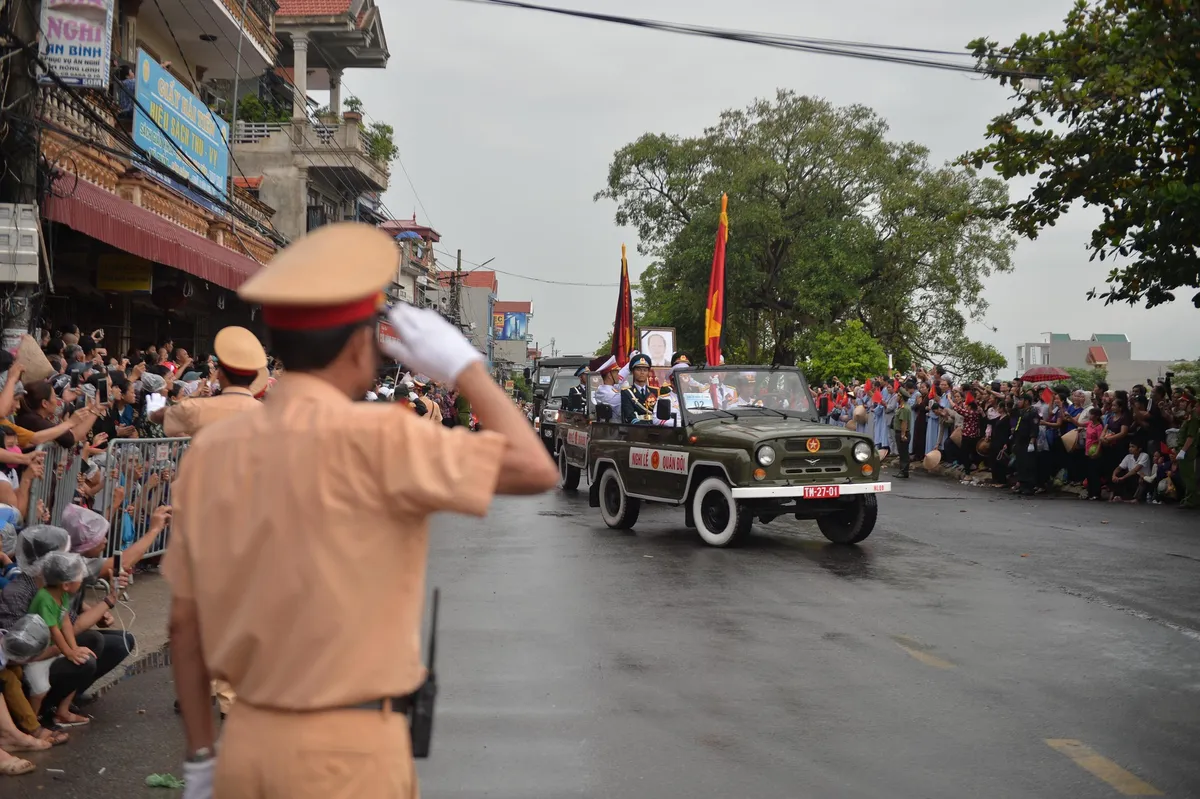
(478, 279)
(504, 306)
(395, 226)
(1097, 356)
(312, 8)
(248, 183)
(1109, 338)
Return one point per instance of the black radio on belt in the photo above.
(421, 714)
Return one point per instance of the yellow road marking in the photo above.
(917, 651)
(1087, 759)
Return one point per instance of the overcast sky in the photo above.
(507, 121)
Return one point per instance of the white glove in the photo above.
(198, 779)
(1181, 455)
(429, 344)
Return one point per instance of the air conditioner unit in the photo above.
(18, 243)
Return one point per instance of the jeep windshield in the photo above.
(562, 384)
(750, 390)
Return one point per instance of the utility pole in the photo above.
(20, 150)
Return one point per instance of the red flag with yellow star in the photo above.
(714, 310)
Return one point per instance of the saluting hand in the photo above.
(428, 343)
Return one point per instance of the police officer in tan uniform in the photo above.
(298, 556)
(242, 372)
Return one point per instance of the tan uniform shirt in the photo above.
(433, 410)
(187, 417)
(301, 532)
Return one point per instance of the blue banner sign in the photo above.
(163, 102)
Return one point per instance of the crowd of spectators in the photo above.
(424, 397)
(1135, 445)
(59, 591)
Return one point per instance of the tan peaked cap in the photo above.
(335, 264)
(260, 382)
(238, 348)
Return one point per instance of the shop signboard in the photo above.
(76, 41)
(124, 273)
(168, 119)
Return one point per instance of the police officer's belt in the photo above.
(400, 704)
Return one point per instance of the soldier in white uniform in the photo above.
(606, 392)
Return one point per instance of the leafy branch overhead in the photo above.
(830, 223)
(1113, 123)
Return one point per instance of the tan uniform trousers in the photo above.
(335, 754)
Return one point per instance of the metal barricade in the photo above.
(138, 477)
(55, 489)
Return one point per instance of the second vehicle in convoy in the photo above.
(731, 445)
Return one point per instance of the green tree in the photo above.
(521, 387)
(1113, 123)
(353, 104)
(829, 222)
(1187, 373)
(845, 352)
(252, 109)
(382, 146)
(1086, 378)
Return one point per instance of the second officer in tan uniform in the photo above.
(298, 551)
(242, 373)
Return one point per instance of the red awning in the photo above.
(115, 221)
(1097, 356)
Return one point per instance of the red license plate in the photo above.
(822, 492)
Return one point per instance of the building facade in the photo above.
(510, 334)
(416, 277)
(146, 235)
(1059, 349)
(318, 166)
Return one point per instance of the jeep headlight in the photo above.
(550, 415)
(766, 455)
(862, 452)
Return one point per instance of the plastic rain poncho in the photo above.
(60, 568)
(24, 641)
(87, 528)
(36, 542)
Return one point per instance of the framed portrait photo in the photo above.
(658, 343)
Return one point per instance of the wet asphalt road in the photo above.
(976, 645)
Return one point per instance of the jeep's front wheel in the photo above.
(618, 509)
(720, 521)
(852, 524)
(568, 475)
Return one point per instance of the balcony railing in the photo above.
(259, 22)
(340, 136)
(253, 132)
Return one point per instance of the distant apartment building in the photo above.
(1112, 352)
(510, 333)
(1059, 349)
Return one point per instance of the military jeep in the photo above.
(736, 444)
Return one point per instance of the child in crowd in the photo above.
(62, 575)
(8, 467)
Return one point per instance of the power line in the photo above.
(192, 73)
(351, 193)
(860, 50)
(528, 277)
(125, 138)
(399, 160)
